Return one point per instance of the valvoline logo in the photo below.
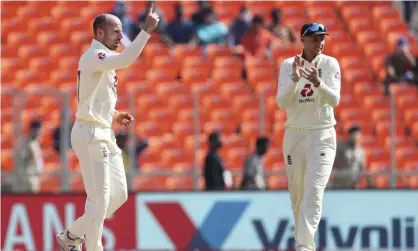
(210, 234)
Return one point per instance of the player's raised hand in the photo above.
(297, 67)
(152, 20)
(312, 75)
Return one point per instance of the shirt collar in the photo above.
(99, 45)
(316, 59)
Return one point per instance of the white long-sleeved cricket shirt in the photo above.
(97, 80)
(310, 107)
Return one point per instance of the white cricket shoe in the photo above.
(68, 244)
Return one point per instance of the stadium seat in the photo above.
(277, 182)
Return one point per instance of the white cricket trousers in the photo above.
(104, 179)
(309, 156)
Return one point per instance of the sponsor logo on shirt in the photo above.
(307, 92)
(337, 75)
(101, 56)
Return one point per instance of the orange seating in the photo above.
(410, 116)
(6, 160)
(45, 52)
(277, 182)
(50, 184)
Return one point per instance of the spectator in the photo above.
(161, 24)
(56, 136)
(284, 33)
(254, 177)
(180, 30)
(240, 26)
(408, 10)
(349, 161)
(121, 10)
(401, 65)
(198, 17)
(214, 168)
(257, 40)
(27, 176)
(140, 146)
(211, 31)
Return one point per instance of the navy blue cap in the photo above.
(313, 29)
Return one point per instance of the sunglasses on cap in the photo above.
(315, 29)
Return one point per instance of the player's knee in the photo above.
(121, 195)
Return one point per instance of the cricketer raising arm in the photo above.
(309, 90)
(92, 137)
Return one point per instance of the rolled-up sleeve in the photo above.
(330, 89)
(286, 90)
(103, 61)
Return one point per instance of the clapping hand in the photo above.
(297, 67)
(311, 74)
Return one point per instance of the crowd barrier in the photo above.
(365, 220)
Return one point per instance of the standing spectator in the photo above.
(211, 31)
(258, 39)
(140, 146)
(408, 10)
(254, 177)
(198, 16)
(240, 26)
(56, 136)
(349, 161)
(214, 167)
(284, 33)
(27, 175)
(121, 10)
(401, 65)
(180, 30)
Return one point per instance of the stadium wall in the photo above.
(352, 220)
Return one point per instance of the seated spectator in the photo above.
(27, 175)
(284, 33)
(211, 31)
(143, 16)
(198, 17)
(401, 66)
(140, 146)
(240, 26)
(121, 10)
(180, 31)
(254, 174)
(349, 161)
(258, 39)
(214, 169)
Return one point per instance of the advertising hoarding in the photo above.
(31, 222)
(351, 220)
(226, 220)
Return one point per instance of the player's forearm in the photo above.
(332, 97)
(128, 56)
(285, 94)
